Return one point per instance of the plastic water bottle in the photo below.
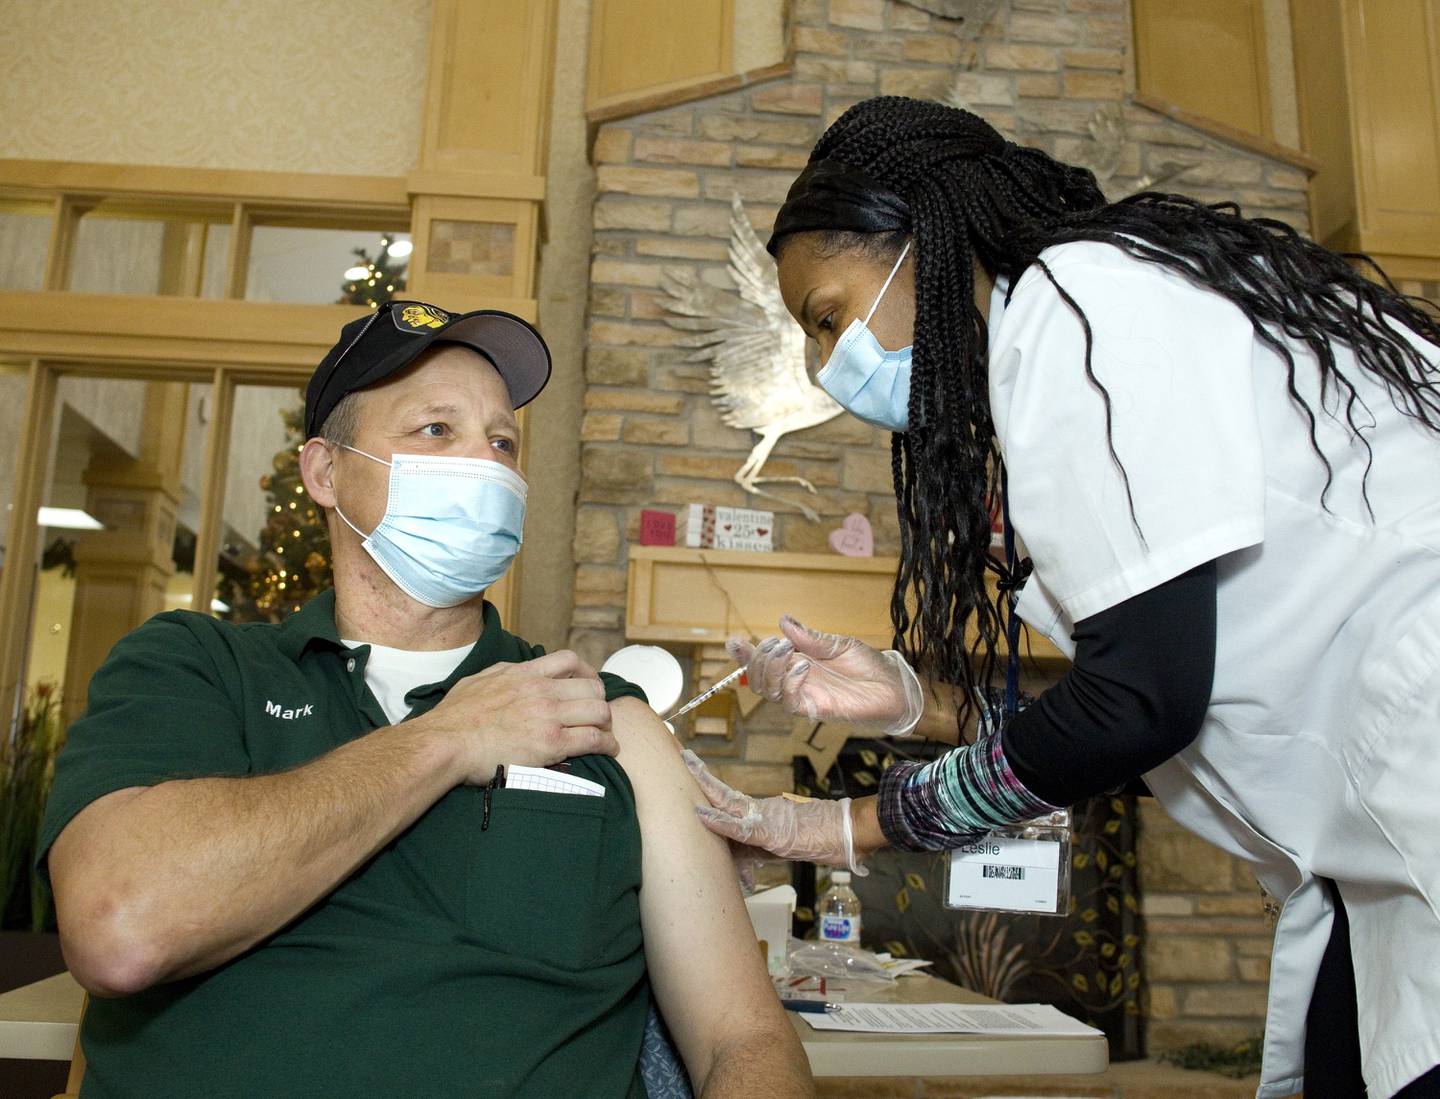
(840, 911)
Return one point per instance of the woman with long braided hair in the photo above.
(1218, 448)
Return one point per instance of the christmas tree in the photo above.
(292, 561)
(371, 282)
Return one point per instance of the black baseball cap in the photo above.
(374, 347)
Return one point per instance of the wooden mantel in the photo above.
(699, 597)
(703, 597)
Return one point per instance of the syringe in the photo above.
(703, 695)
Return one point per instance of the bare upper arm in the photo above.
(704, 961)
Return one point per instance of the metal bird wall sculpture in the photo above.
(756, 353)
(1109, 134)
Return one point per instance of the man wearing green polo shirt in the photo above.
(326, 858)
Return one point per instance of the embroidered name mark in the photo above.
(274, 709)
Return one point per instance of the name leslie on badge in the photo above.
(1006, 874)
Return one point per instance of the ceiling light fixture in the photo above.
(69, 519)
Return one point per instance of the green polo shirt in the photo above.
(457, 961)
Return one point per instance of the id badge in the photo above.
(1022, 868)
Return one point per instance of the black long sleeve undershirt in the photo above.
(1136, 694)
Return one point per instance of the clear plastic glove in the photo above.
(817, 831)
(829, 677)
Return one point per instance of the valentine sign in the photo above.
(854, 538)
(710, 527)
(657, 528)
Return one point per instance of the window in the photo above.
(157, 433)
(326, 265)
(24, 243)
(127, 248)
(123, 244)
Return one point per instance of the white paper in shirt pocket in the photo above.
(547, 781)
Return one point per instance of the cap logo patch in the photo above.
(417, 318)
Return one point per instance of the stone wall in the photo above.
(1207, 939)
(1040, 71)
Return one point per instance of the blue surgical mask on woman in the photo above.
(871, 383)
(451, 528)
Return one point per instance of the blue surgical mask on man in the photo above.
(869, 382)
(451, 527)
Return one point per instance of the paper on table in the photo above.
(1032, 1020)
(547, 781)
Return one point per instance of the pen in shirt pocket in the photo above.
(498, 782)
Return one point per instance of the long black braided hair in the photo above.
(946, 179)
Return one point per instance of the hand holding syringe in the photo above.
(830, 677)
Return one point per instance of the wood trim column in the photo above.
(121, 572)
(212, 490)
(17, 579)
(478, 190)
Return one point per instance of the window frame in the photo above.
(223, 343)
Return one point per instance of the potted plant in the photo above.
(28, 945)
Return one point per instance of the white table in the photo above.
(844, 1053)
(39, 1021)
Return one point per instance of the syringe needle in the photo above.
(703, 695)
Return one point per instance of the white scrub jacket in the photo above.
(1320, 752)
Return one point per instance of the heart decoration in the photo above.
(854, 538)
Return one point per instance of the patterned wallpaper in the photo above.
(325, 86)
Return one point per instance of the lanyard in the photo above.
(1022, 867)
(1016, 572)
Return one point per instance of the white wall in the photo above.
(321, 86)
